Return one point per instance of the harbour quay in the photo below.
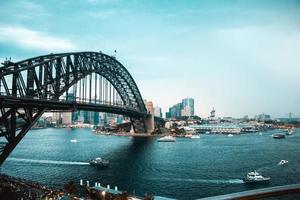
(227, 128)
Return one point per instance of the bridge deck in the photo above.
(60, 105)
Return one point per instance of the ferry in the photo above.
(168, 138)
(255, 177)
(99, 162)
(278, 136)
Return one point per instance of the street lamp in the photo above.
(103, 194)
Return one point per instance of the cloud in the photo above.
(23, 10)
(31, 39)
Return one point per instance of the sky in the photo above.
(240, 57)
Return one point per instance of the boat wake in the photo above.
(212, 181)
(55, 162)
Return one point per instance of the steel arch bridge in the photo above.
(37, 85)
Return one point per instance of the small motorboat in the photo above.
(283, 162)
(168, 138)
(73, 141)
(278, 136)
(195, 137)
(289, 132)
(255, 177)
(99, 162)
(230, 135)
(188, 136)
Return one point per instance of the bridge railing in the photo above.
(293, 189)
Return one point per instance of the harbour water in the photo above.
(185, 169)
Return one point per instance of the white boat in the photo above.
(289, 132)
(255, 177)
(188, 136)
(230, 135)
(283, 162)
(99, 162)
(259, 133)
(73, 141)
(195, 137)
(168, 138)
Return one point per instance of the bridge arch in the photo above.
(31, 87)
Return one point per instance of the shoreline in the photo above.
(18, 188)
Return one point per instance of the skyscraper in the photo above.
(157, 111)
(149, 106)
(71, 97)
(184, 108)
(188, 106)
(67, 118)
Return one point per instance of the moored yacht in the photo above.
(255, 177)
(168, 138)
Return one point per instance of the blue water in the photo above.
(185, 169)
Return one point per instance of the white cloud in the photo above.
(31, 39)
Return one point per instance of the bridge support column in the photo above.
(149, 123)
(143, 124)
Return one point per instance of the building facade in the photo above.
(183, 109)
(157, 111)
(149, 106)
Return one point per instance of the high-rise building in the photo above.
(86, 117)
(94, 118)
(149, 106)
(263, 117)
(188, 106)
(71, 97)
(184, 108)
(67, 118)
(157, 111)
(56, 117)
(120, 119)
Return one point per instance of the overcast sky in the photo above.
(241, 57)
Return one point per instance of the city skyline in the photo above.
(243, 61)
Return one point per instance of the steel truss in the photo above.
(33, 86)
